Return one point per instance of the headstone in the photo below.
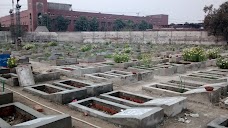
(25, 76)
(3, 59)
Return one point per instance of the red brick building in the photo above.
(38, 7)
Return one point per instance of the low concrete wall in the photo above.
(160, 37)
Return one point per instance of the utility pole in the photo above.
(18, 23)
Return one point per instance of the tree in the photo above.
(216, 21)
(130, 25)
(61, 24)
(82, 24)
(93, 24)
(151, 26)
(118, 25)
(143, 25)
(45, 20)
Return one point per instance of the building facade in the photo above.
(36, 8)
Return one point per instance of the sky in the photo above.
(179, 11)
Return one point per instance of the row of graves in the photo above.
(88, 88)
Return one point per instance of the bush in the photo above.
(146, 59)
(29, 46)
(52, 44)
(127, 50)
(11, 62)
(222, 63)
(213, 53)
(121, 57)
(108, 56)
(86, 48)
(194, 54)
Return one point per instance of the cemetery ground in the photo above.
(136, 86)
(206, 112)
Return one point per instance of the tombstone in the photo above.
(25, 76)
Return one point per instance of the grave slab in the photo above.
(6, 97)
(120, 114)
(171, 105)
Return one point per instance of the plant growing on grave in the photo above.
(127, 50)
(222, 63)
(146, 59)
(182, 86)
(194, 54)
(121, 57)
(52, 44)
(213, 53)
(11, 62)
(86, 48)
(29, 46)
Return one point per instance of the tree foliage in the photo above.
(93, 24)
(143, 25)
(216, 21)
(119, 25)
(82, 24)
(61, 23)
(46, 21)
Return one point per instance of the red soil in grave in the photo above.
(132, 99)
(103, 108)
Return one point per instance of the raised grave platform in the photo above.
(17, 115)
(120, 114)
(193, 94)
(65, 91)
(115, 76)
(79, 70)
(169, 104)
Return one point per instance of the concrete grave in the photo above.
(57, 94)
(205, 77)
(171, 105)
(10, 79)
(42, 77)
(220, 122)
(19, 112)
(5, 97)
(120, 114)
(143, 75)
(197, 95)
(79, 70)
(93, 89)
(65, 61)
(17, 115)
(115, 76)
(4, 70)
(165, 69)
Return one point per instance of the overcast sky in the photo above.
(179, 11)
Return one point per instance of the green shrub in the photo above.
(86, 48)
(213, 53)
(146, 59)
(52, 44)
(11, 62)
(121, 57)
(127, 50)
(222, 63)
(29, 46)
(194, 54)
(108, 56)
